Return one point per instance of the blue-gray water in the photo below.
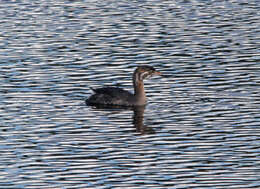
(200, 129)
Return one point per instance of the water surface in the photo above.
(200, 128)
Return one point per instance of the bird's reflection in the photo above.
(138, 117)
(138, 121)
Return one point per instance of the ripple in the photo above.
(199, 128)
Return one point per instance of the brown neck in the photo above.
(139, 90)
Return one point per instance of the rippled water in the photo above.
(200, 128)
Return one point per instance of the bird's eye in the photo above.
(144, 75)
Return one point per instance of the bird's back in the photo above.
(111, 96)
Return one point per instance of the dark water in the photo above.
(200, 129)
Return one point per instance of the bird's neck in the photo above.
(139, 92)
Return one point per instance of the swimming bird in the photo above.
(114, 96)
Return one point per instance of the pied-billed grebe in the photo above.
(119, 97)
